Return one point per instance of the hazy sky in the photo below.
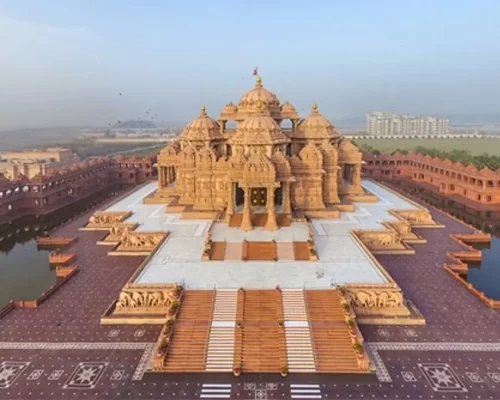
(65, 62)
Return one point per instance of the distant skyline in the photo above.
(66, 63)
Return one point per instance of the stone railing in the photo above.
(162, 344)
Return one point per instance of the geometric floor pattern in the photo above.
(382, 372)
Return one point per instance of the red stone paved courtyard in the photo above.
(60, 350)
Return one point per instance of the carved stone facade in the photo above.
(259, 166)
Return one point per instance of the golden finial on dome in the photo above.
(315, 107)
(203, 109)
(258, 81)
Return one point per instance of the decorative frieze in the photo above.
(101, 220)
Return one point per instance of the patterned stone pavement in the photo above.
(59, 350)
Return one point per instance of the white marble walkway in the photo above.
(341, 259)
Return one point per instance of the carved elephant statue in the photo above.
(364, 299)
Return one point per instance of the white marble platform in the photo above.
(341, 260)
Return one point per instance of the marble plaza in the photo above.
(341, 259)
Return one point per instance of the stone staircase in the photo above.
(233, 251)
(330, 335)
(218, 251)
(299, 350)
(263, 341)
(188, 345)
(220, 351)
(284, 251)
(262, 251)
(301, 251)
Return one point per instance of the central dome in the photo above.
(259, 129)
(258, 93)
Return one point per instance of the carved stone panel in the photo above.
(139, 240)
(106, 219)
(146, 300)
(375, 298)
(376, 239)
(416, 217)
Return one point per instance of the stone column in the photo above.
(246, 222)
(356, 175)
(161, 177)
(334, 194)
(271, 224)
(287, 207)
(230, 201)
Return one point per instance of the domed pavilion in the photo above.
(260, 167)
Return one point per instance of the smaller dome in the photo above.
(348, 151)
(315, 126)
(202, 128)
(286, 107)
(230, 108)
(347, 147)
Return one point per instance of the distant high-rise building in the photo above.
(386, 124)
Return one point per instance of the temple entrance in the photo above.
(258, 197)
(239, 196)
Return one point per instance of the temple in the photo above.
(259, 246)
(260, 167)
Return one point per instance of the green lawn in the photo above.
(474, 146)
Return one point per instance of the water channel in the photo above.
(25, 272)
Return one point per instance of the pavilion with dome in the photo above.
(260, 167)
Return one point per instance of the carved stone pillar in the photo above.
(230, 201)
(271, 224)
(160, 177)
(356, 175)
(166, 177)
(287, 209)
(246, 222)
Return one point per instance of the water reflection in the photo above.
(486, 277)
(25, 272)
